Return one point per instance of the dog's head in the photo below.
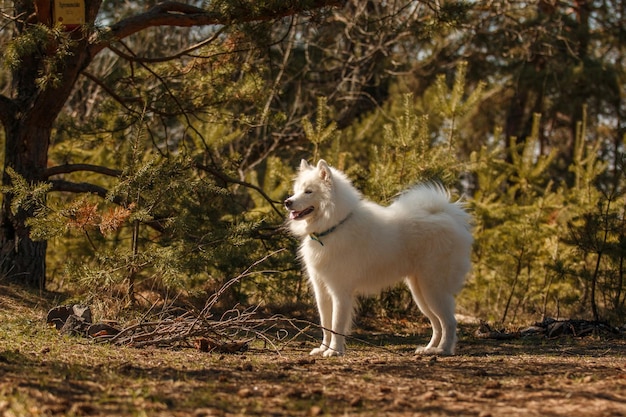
(310, 192)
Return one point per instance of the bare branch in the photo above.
(83, 188)
(171, 13)
(78, 187)
(185, 52)
(69, 168)
(121, 100)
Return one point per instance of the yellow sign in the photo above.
(70, 13)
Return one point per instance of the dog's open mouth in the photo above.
(298, 215)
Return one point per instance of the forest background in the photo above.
(148, 151)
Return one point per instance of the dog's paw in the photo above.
(333, 352)
(432, 351)
(319, 350)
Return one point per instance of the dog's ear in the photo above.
(304, 165)
(324, 169)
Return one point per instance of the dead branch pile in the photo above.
(224, 334)
(550, 328)
(231, 332)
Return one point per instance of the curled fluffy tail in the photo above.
(432, 198)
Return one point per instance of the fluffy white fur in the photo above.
(353, 246)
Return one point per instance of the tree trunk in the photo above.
(27, 117)
(27, 122)
(22, 259)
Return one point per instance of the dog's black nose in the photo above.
(288, 203)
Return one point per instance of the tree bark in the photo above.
(23, 260)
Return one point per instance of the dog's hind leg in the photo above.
(413, 285)
(442, 305)
(325, 308)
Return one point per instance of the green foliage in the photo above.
(452, 105)
(598, 238)
(29, 43)
(402, 159)
(540, 246)
(153, 227)
(322, 131)
(416, 149)
(52, 45)
(515, 209)
(166, 224)
(26, 196)
(167, 221)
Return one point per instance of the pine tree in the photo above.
(44, 66)
(596, 228)
(514, 206)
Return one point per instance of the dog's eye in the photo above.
(308, 191)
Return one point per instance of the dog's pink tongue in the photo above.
(293, 214)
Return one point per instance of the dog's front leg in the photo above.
(325, 308)
(342, 319)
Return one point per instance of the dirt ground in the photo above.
(43, 373)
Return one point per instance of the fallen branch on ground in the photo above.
(550, 328)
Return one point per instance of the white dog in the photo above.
(353, 246)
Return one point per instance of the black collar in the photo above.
(317, 236)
